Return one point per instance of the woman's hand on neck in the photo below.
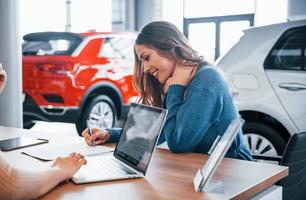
(183, 72)
(167, 84)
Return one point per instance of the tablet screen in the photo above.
(219, 151)
(19, 142)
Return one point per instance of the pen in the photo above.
(90, 131)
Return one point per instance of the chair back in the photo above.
(294, 185)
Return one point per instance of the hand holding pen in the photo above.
(95, 136)
(90, 133)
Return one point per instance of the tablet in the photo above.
(20, 142)
(205, 174)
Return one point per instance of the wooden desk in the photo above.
(170, 176)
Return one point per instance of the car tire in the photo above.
(27, 124)
(262, 139)
(100, 106)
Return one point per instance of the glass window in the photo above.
(208, 8)
(118, 11)
(288, 52)
(118, 47)
(202, 38)
(50, 43)
(107, 50)
(305, 59)
(42, 48)
(230, 33)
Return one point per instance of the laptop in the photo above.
(218, 150)
(133, 151)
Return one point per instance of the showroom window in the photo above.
(118, 14)
(289, 51)
(214, 36)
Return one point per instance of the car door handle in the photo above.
(292, 86)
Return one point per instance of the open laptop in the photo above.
(218, 150)
(134, 149)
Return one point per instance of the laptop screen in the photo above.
(139, 135)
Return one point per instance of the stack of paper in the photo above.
(52, 151)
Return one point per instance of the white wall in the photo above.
(270, 12)
(209, 8)
(50, 15)
(91, 14)
(173, 11)
(46, 15)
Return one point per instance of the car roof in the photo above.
(275, 27)
(257, 41)
(46, 36)
(108, 34)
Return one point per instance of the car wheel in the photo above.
(262, 139)
(28, 124)
(101, 113)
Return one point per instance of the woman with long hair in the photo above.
(168, 73)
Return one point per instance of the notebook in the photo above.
(134, 149)
(219, 149)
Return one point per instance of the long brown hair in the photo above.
(169, 41)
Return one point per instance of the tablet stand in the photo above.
(214, 187)
(203, 179)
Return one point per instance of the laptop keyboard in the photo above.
(109, 166)
(103, 167)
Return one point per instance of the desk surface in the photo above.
(170, 176)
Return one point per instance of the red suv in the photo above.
(69, 77)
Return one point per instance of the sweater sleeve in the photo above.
(18, 184)
(114, 134)
(189, 119)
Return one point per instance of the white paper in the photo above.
(52, 151)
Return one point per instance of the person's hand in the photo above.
(183, 73)
(69, 165)
(2, 78)
(167, 84)
(99, 136)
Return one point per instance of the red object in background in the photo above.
(69, 77)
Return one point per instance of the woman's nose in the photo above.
(146, 68)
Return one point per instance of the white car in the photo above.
(267, 71)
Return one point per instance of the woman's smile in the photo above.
(155, 74)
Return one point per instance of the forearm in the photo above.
(189, 117)
(174, 101)
(46, 180)
(17, 184)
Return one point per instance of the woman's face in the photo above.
(154, 63)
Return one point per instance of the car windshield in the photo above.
(49, 44)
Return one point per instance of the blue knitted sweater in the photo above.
(197, 114)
